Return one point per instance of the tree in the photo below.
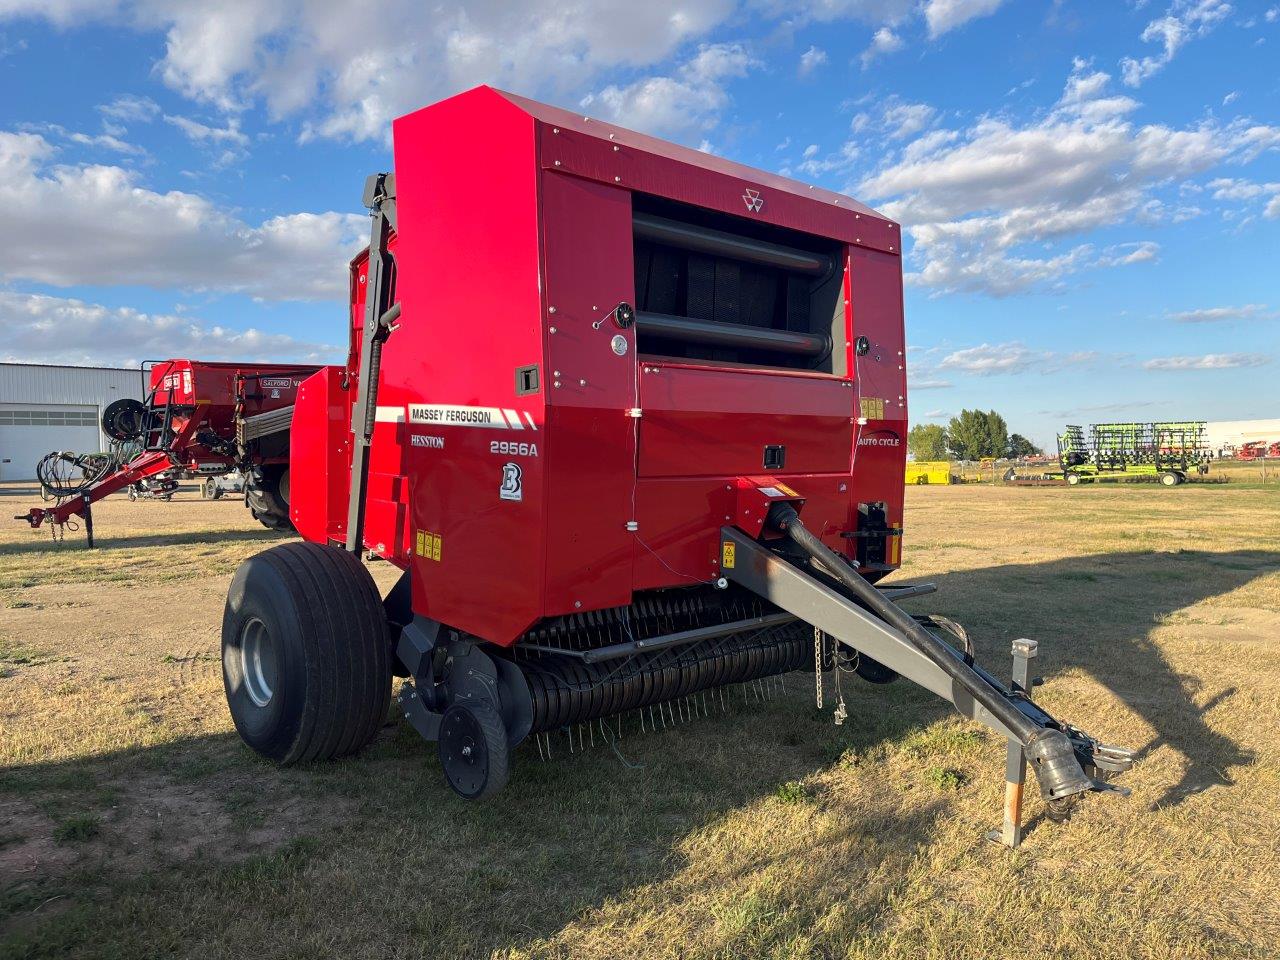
(976, 434)
(927, 441)
(1020, 446)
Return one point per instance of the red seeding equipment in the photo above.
(629, 418)
(204, 419)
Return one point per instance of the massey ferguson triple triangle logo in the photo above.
(753, 200)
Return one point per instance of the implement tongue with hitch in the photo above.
(594, 380)
(832, 596)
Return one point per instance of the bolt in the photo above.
(552, 330)
(555, 129)
(556, 384)
(582, 383)
(557, 163)
(577, 604)
(551, 309)
(617, 179)
(466, 751)
(556, 374)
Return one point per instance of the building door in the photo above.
(28, 432)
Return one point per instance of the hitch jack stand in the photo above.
(1015, 765)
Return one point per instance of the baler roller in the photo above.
(734, 335)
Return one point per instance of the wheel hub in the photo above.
(462, 753)
(258, 662)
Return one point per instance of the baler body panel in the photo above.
(611, 474)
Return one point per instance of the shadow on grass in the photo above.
(406, 868)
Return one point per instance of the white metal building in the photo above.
(1224, 437)
(44, 408)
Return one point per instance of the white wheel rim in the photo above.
(257, 662)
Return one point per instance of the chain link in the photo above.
(818, 644)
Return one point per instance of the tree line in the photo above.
(972, 435)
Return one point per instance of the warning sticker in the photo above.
(873, 408)
(728, 555)
(427, 545)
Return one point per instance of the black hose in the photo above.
(1050, 751)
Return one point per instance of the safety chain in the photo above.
(818, 645)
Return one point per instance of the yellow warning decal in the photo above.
(873, 408)
(728, 555)
(895, 546)
(427, 545)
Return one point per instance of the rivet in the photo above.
(556, 375)
(617, 179)
(616, 148)
(857, 216)
(582, 383)
(557, 383)
(552, 330)
(551, 309)
(557, 163)
(612, 136)
(555, 129)
(577, 603)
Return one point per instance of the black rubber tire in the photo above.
(1170, 479)
(266, 502)
(479, 727)
(328, 653)
(873, 671)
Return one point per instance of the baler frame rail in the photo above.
(1067, 761)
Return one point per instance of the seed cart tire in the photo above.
(1170, 479)
(1073, 479)
(473, 749)
(305, 660)
(206, 490)
(268, 501)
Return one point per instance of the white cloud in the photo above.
(43, 329)
(1184, 20)
(94, 224)
(884, 41)
(130, 109)
(1210, 361)
(682, 105)
(201, 133)
(811, 59)
(976, 201)
(1231, 98)
(1248, 311)
(904, 120)
(1010, 358)
(942, 16)
(1126, 254)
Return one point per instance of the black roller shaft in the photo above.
(565, 690)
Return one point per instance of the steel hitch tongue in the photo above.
(838, 600)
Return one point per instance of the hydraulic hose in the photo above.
(1050, 751)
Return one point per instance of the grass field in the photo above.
(133, 823)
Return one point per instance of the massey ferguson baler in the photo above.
(630, 419)
(198, 418)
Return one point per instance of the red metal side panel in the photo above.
(627, 159)
(875, 293)
(590, 386)
(680, 520)
(702, 420)
(469, 282)
(320, 455)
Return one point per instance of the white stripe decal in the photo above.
(389, 415)
(513, 418)
(528, 416)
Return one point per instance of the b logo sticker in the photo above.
(512, 482)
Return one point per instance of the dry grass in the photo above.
(134, 824)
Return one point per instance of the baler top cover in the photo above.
(535, 443)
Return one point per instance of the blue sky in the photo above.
(1091, 190)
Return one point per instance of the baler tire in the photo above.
(320, 685)
(478, 728)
